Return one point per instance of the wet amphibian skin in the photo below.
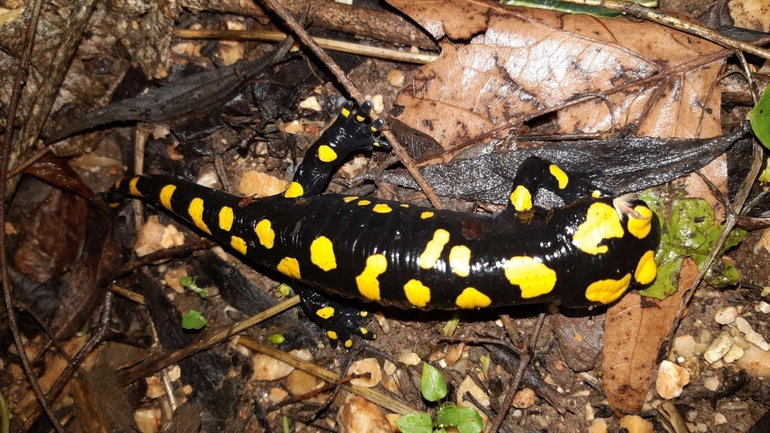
(585, 253)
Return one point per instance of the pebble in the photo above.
(357, 415)
(469, 386)
(277, 395)
(763, 307)
(311, 104)
(726, 315)
(524, 398)
(148, 420)
(735, 353)
(389, 367)
(298, 383)
(711, 383)
(755, 361)
(396, 77)
(719, 419)
(599, 425)
(636, 424)
(154, 236)
(718, 348)
(671, 380)
(684, 345)
(751, 336)
(409, 358)
(363, 366)
(256, 184)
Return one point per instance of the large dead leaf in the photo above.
(501, 66)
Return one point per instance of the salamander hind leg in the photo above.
(535, 173)
(350, 132)
(339, 322)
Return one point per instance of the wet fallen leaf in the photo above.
(501, 66)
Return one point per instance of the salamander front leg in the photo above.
(349, 133)
(339, 322)
(536, 173)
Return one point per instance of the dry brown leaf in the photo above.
(630, 350)
(501, 66)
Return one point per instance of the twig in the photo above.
(339, 74)
(327, 44)
(206, 341)
(673, 22)
(523, 364)
(13, 105)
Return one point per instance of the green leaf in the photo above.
(765, 175)
(188, 282)
(465, 419)
(759, 117)
(432, 385)
(574, 8)
(415, 423)
(688, 229)
(194, 320)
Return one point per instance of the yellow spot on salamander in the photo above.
(367, 282)
(294, 190)
(265, 233)
(425, 215)
(404, 205)
(364, 203)
(416, 293)
(606, 291)
(226, 218)
(382, 208)
(460, 260)
(116, 185)
(533, 277)
(433, 249)
(521, 198)
(132, 187)
(349, 199)
(195, 210)
(331, 334)
(348, 343)
(238, 244)
(601, 223)
(596, 193)
(325, 312)
(289, 266)
(559, 175)
(472, 298)
(322, 253)
(360, 119)
(326, 153)
(165, 195)
(646, 269)
(345, 112)
(640, 227)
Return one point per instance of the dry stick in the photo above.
(673, 22)
(4, 154)
(78, 359)
(523, 364)
(328, 44)
(306, 40)
(206, 341)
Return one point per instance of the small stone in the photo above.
(148, 420)
(256, 184)
(718, 348)
(311, 103)
(363, 366)
(293, 128)
(711, 383)
(378, 104)
(684, 345)
(750, 335)
(755, 361)
(154, 236)
(733, 354)
(671, 380)
(277, 395)
(154, 388)
(636, 424)
(454, 352)
(719, 419)
(396, 77)
(299, 383)
(599, 425)
(763, 307)
(469, 386)
(388, 367)
(524, 398)
(172, 279)
(357, 415)
(269, 368)
(726, 315)
(409, 358)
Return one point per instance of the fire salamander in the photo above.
(585, 253)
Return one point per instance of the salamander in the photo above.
(586, 253)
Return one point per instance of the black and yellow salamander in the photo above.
(585, 253)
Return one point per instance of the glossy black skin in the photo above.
(357, 232)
